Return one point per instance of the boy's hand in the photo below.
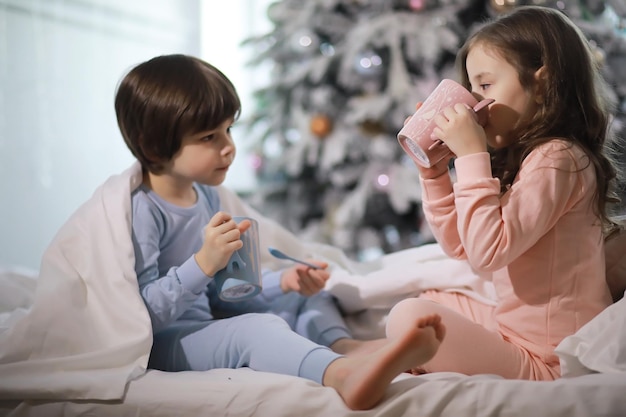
(221, 238)
(305, 280)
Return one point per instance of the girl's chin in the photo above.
(497, 143)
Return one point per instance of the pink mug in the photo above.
(416, 137)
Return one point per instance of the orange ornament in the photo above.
(503, 6)
(321, 125)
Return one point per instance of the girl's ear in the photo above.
(541, 76)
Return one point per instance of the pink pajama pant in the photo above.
(472, 344)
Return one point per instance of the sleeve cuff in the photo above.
(473, 167)
(191, 277)
(271, 284)
(436, 188)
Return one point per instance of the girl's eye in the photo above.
(483, 87)
(207, 138)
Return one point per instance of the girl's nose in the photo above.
(477, 96)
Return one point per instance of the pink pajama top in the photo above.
(541, 241)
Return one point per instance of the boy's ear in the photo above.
(541, 76)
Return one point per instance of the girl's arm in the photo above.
(440, 213)
(496, 230)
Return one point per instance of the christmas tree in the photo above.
(345, 76)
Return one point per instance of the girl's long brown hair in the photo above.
(574, 107)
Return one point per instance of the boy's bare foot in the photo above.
(362, 380)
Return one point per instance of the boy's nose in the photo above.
(228, 149)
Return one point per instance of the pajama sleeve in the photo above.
(271, 285)
(166, 297)
(440, 213)
(491, 229)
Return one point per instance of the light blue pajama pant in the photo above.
(317, 317)
(287, 336)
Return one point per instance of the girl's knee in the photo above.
(404, 312)
(414, 306)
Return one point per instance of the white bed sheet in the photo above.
(599, 346)
(242, 392)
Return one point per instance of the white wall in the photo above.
(225, 24)
(60, 62)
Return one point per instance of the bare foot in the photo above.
(440, 333)
(362, 380)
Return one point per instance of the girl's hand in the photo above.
(439, 168)
(436, 170)
(222, 237)
(458, 128)
(305, 280)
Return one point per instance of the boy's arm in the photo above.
(271, 284)
(298, 278)
(166, 297)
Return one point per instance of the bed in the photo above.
(75, 336)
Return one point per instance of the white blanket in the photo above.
(88, 332)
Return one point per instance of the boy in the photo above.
(175, 113)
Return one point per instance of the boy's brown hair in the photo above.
(168, 97)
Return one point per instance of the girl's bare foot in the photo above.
(362, 380)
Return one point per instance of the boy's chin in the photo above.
(215, 181)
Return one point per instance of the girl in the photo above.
(529, 202)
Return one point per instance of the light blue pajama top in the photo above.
(164, 235)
